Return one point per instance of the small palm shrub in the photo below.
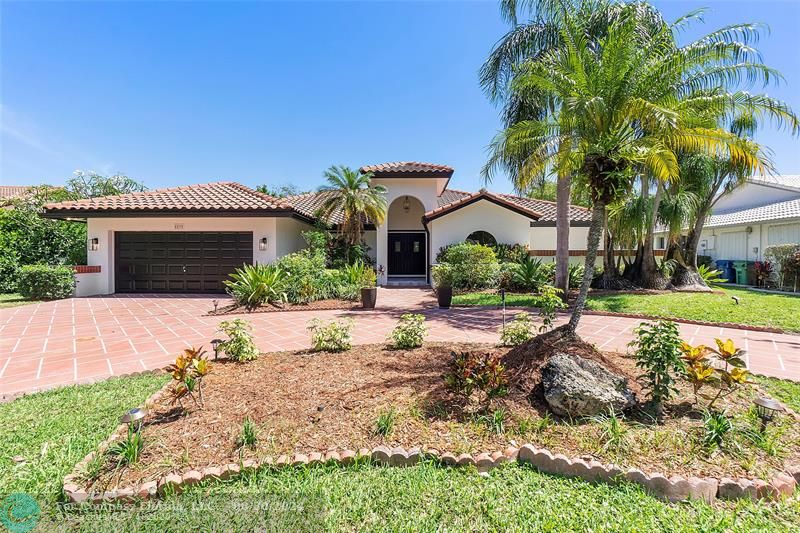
(254, 285)
(711, 276)
(333, 336)
(240, 345)
(658, 354)
(477, 375)
(529, 274)
(128, 450)
(188, 371)
(409, 332)
(45, 282)
(518, 330)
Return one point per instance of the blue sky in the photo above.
(262, 92)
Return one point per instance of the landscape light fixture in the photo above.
(766, 409)
(94, 244)
(262, 244)
(215, 345)
(132, 416)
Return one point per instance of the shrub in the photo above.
(763, 272)
(128, 450)
(359, 275)
(409, 332)
(510, 253)
(240, 345)
(385, 422)
(474, 266)
(518, 330)
(575, 274)
(529, 274)
(188, 372)
(658, 353)
(306, 278)
(711, 276)
(9, 272)
(786, 257)
(442, 275)
(46, 282)
(480, 373)
(254, 285)
(726, 373)
(548, 301)
(333, 336)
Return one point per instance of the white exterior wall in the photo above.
(104, 228)
(505, 225)
(90, 283)
(289, 236)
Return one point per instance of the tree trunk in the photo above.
(563, 186)
(647, 275)
(686, 277)
(593, 241)
(611, 279)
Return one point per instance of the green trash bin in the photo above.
(741, 268)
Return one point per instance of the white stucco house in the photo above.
(188, 239)
(763, 212)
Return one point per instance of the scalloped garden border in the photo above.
(673, 489)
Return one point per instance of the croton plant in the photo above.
(723, 369)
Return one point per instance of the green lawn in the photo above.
(56, 429)
(13, 300)
(754, 308)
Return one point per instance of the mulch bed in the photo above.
(304, 402)
(318, 305)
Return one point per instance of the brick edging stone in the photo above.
(673, 488)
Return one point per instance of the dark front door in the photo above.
(407, 254)
(178, 261)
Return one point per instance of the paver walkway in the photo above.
(87, 339)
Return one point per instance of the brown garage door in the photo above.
(178, 261)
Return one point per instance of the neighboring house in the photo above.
(188, 239)
(763, 212)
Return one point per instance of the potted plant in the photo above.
(443, 283)
(369, 291)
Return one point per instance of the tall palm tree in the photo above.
(529, 41)
(627, 105)
(350, 201)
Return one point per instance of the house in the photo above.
(188, 239)
(763, 212)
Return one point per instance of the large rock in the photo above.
(574, 386)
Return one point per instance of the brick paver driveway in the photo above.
(87, 339)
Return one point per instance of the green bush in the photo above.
(332, 336)
(240, 345)
(477, 372)
(475, 266)
(518, 330)
(529, 274)
(442, 275)
(658, 354)
(9, 272)
(548, 300)
(510, 253)
(255, 285)
(46, 282)
(307, 279)
(409, 332)
(785, 256)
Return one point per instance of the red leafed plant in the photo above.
(477, 373)
(763, 271)
(188, 372)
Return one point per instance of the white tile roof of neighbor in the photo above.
(787, 181)
(777, 211)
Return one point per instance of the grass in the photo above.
(56, 429)
(754, 308)
(13, 300)
(784, 390)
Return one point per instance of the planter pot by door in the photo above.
(369, 295)
(445, 296)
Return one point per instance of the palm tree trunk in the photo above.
(563, 186)
(648, 274)
(593, 242)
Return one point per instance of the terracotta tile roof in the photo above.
(13, 191)
(308, 203)
(405, 168)
(483, 194)
(547, 209)
(212, 197)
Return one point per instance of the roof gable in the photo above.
(483, 194)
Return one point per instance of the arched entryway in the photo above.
(407, 247)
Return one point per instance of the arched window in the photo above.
(482, 237)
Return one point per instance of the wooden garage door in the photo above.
(178, 261)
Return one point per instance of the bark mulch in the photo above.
(319, 305)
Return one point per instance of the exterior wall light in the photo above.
(406, 204)
(262, 244)
(766, 409)
(94, 244)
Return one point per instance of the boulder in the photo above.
(574, 386)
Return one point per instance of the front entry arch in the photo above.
(407, 242)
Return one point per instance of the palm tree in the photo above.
(628, 105)
(350, 201)
(529, 41)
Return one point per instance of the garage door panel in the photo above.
(179, 261)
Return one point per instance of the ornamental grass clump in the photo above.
(723, 369)
(240, 345)
(410, 331)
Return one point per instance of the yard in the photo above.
(53, 430)
(754, 308)
(13, 300)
